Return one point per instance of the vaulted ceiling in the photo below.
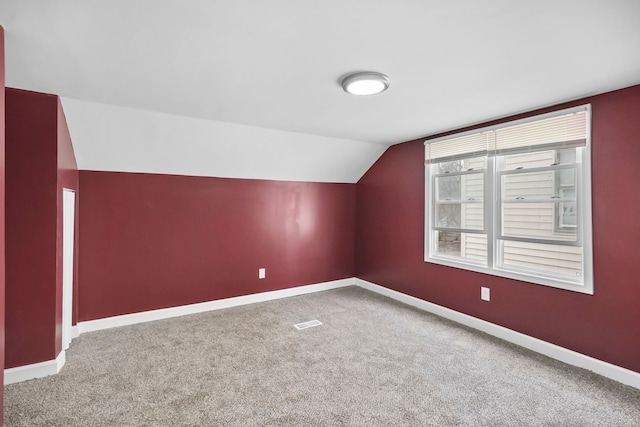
(277, 64)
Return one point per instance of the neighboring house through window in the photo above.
(514, 200)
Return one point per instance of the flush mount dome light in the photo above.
(365, 83)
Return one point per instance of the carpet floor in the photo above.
(372, 362)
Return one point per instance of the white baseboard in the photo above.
(605, 369)
(35, 370)
(166, 313)
(52, 367)
(562, 354)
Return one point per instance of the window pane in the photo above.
(448, 215)
(449, 187)
(567, 217)
(475, 163)
(538, 221)
(462, 245)
(539, 185)
(536, 159)
(566, 156)
(459, 201)
(472, 216)
(523, 186)
(452, 166)
(472, 187)
(467, 187)
(540, 159)
(460, 215)
(556, 259)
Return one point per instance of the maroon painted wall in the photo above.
(31, 227)
(35, 161)
(2, 233)
(390, 245)
(154, 241)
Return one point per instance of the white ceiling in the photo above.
(277, 64)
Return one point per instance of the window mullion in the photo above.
(490, 210)
(580, 204)
(432, 211)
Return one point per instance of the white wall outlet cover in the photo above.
(485, 293)
(262, 273)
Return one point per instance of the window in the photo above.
(514, 200)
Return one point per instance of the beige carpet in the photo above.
(373, 362)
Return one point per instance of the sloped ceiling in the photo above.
(277, 64)
(112, 138)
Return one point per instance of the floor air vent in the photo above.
(309, 324)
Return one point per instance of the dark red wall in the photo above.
(2, 208)
(154, 241)
(390, 245)
(31, 227)
(35, 161)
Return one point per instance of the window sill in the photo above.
(575, 286)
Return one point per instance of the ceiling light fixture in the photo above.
(365, 83)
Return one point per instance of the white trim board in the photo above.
(617, 373)
(35, 370)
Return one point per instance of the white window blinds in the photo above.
(473, 145)
(567, 128)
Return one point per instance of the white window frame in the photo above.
(492, 216)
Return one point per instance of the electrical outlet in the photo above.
(485, 294)
(262, 273)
